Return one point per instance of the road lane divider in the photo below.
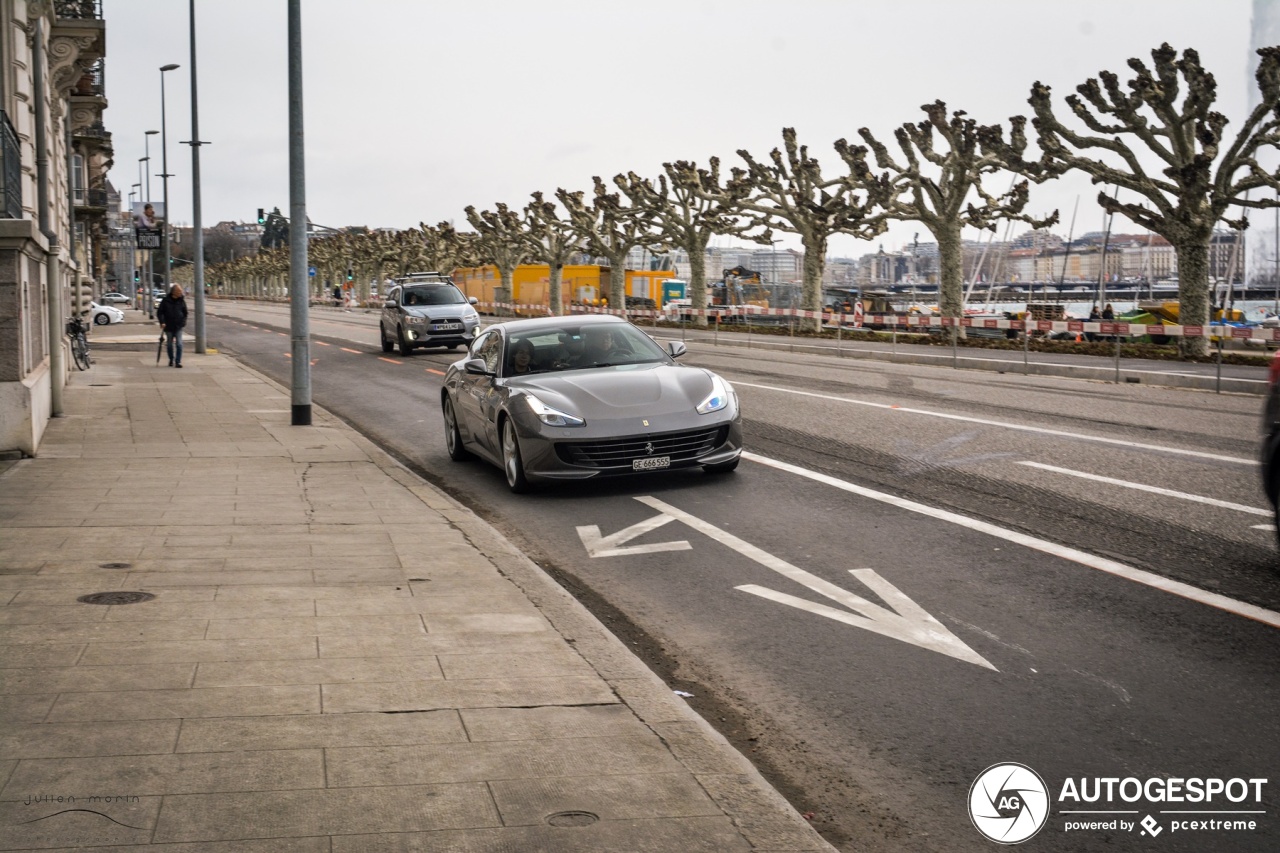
(436, 372)
(1136, 445)
(1142, 487)
(1112, 567)
(389, 360)
(353, 351)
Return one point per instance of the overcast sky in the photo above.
(416, 109)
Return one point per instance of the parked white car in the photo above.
(101, 315)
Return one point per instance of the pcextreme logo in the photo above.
(1008, 803)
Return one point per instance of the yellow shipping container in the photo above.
(582, 284)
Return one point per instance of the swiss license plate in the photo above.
(445, 327)
(650, 463)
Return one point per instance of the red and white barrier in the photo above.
(920, 322)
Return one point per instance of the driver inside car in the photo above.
(600, 346)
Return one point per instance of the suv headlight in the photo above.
(413, 320)
(550, 416)
(718, 398)
(470, 316)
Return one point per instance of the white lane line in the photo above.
(1213, 599)
(1199, 454)
(1145, 488)
(1262, 526)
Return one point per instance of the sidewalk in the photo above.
(336, 656)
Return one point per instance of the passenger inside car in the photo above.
(521, 361)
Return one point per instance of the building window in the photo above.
(77, 179)
(10, 171)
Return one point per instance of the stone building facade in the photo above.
(54, 155)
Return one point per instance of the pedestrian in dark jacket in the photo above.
(1108, 313)
(172, 314)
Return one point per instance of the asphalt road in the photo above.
(1084, 627)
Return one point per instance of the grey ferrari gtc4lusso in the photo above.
(571, 398)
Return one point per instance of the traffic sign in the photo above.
(311, 271)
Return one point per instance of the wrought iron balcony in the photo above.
(90, 200)
(78, 9)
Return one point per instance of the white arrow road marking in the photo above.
(599, 545)
(910, 624)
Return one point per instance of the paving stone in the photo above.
(434, 695)
(475, 762)
(498, 622)
(611, 797)
(69, 679)
(486, 724)
(315, 626)
(284, 814)
(228, 576)
(160, 609)
(25, 707)
(320, 671)
(204, 702)
(444, 643)
(485, 600)
(40, 654)
(686, 835)
(67, 740)
(306, 731)
(174, 773)
(68, 632)
(318, 844)
(563, 662)
(288, 648)
(313, 592)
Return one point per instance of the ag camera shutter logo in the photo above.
(1008, 803)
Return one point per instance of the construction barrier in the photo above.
(924, 322)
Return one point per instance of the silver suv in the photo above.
(427, 310)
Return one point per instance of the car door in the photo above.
(475, 390)
(390, 306)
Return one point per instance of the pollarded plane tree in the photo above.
(790, 194)
(501, 241)
(936, 185)
(444, 248)
(553, 241)
(686, 220)
(1199, 178)
(609, 229)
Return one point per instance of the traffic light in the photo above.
(351, 276)
(137, 276)
(262, 217)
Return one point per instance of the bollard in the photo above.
(715, 334)
(1117, 359)
(1217, 386)
(839, 326)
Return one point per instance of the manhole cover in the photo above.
(115, 597)
(572, 819)
(115, 565)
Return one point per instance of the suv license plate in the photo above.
(445, 327)
(650, 463)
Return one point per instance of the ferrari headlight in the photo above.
(550, 416)
(718, 398)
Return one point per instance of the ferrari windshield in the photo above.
(573, 347)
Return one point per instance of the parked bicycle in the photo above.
(79, 342)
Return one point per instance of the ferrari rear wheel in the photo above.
(512, 463)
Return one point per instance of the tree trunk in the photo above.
(1193, 294)
(507, 272)
(951, 279)
(698, 278)
(618, 281)
(815, 258)
(553, 289)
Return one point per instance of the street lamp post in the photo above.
(197, 226)
(164, 175)
(148, 297)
